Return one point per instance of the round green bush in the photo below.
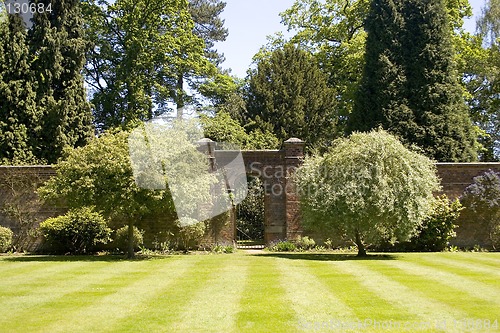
(80, 231)
(5, 239)
(121, 239)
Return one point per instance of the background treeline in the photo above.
(87, 72)
(352, 65)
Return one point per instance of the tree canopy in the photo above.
(42, 97)
(409, 85)
(368, 188)
(288, 95)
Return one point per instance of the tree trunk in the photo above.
(180, 96)
(359, 244)
(130, 252)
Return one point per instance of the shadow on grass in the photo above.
(325, 256)
(70, 258)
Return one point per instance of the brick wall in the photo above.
(275, 167)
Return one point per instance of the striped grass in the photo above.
(249, 292)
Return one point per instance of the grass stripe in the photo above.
(441, 290)
(215, 307)
(348, 287)
(490, 259)
(70, 291)
(469, 267)
(474, 289)
(126, 293)
(34, 289)
(410, 301)
(312, 301)
(490, 280)
(27, 276)
(162, 311)
(264, 306)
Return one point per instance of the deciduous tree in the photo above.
(368, 188)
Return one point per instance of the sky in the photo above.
(251, 21)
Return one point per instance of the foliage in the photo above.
(409, 85)
(483, 81)
(19, 114)
(223, 128)
(42, 98)
(488, 23)
(5, 239)
(305, 243)
(223, 249)
(142, 53)
(481, 200)
(368, 187)
(57, 47)
(80, 231)
(333, 32)
(100, 175)
(190, 234)
(283, 246)
(436, 230)
(21, 206)
(209, 26)
(288, 96)
(250, 212)
(121, 239)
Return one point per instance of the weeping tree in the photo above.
(367, 188)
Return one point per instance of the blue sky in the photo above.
(250, 21)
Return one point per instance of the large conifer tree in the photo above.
(288, 96)
(58, 47)
(42, 96)
(409, 85)
(19, 115)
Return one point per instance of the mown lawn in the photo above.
(448, 292)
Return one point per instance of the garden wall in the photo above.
(18, 200)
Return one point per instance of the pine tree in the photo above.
(288, 96)
(409, 85)
(57, 45)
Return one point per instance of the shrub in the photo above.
(223, 249)
(190, 234)
(283, 246)
(80, 231)
(436, 230)
(481, 200)
(121, 241)
(5, 239)
(305, 243)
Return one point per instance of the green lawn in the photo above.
(449, 292)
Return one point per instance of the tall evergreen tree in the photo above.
(42, 97)
(58, 47)
(19, 116)
(288, 96)
(409, 84)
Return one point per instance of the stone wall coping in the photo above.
(469, 164)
